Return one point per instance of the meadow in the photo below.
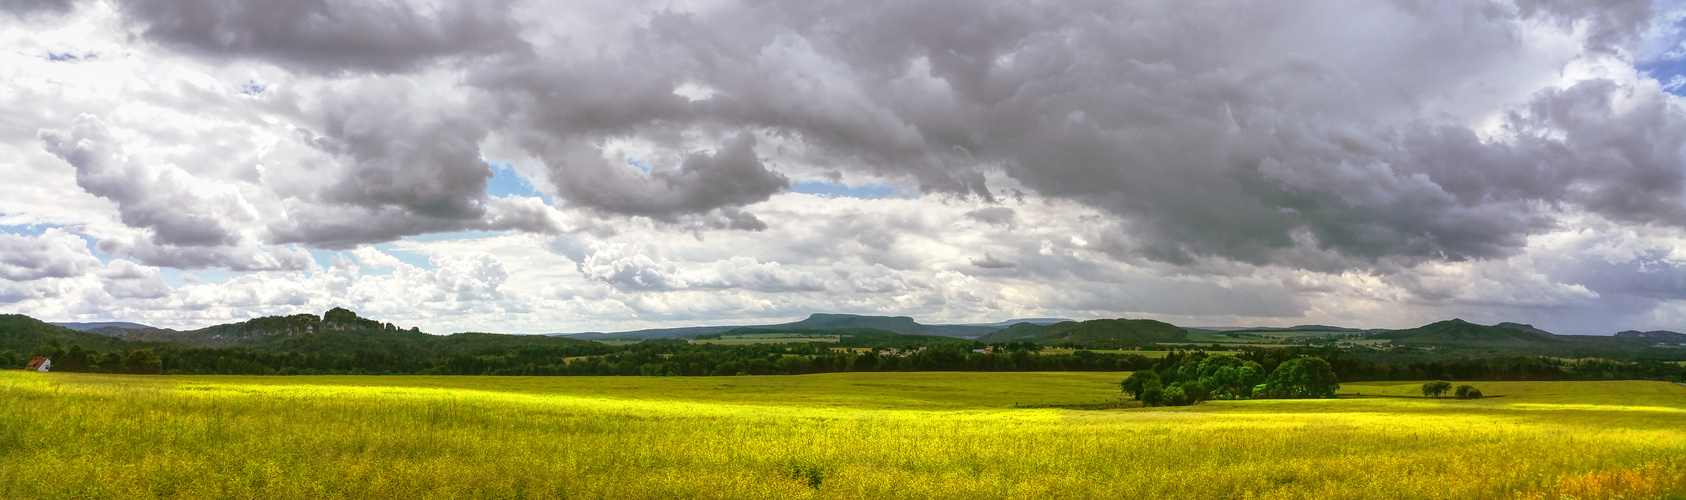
(839, 435)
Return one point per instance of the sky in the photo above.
(526, 166)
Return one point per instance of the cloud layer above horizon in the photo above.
(525, 166)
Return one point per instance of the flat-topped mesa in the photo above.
(340, 318)
(1654, 335)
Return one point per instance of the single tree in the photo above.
(1175, 395)
(75, 359)
(1307, 377)
(1138, 382)
(144, 361)
(1153, 395)
(1468, 392)
(111, 362)
(1227, 377)
(1436, 388)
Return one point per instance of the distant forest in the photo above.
(342, 343)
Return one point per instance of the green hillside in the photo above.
(856, 337)
(1457, 332)
(22, 334)
(1092, 333)
(339, 337)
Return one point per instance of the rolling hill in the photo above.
(1460, 333)
(336, 331)
(1094, 333)
(817, 322)
(23, 334)
(97, 327)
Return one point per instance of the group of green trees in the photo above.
(1185, 378)
(77, 359)
(1439, 388)
(656, 357)
(1351, 365)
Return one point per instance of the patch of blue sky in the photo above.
(325, 258)
(1669, 67)
(640, 164)
(26, 229)
(1671, 72)
(838, 189)
(406, 256)
(506, 181)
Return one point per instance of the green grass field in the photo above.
(854, 435)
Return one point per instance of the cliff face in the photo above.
(1653, 336)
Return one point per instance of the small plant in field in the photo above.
(1468, 392)
(808, 471)
(1436, 388)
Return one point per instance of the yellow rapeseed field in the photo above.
(854, 435)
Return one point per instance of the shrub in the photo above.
(1436, 388)
(1468, 392)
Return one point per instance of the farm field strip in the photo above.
(845, 435)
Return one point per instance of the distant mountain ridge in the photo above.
(1097, 333)
(249, 331)
(342, 329)
(1653, 335)
(1299, 328)
(1457, 332)
(820, 322)
(22, 333)
(338, 331)
(95, 327)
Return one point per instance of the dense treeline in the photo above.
(1370, 365)
(485, 354)
(660, 357)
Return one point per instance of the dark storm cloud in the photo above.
(398, 153)
(990, 262)
(998, 216)
(1241, 131)
(1609, 23)
(395, 165)
(234, 258)
(706, 183)
(177, 208)
(344, 227)
(328, 36)
(1317, 134)
(23, 8)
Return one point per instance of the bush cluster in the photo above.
(1182, 379)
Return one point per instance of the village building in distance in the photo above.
(38, 364)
